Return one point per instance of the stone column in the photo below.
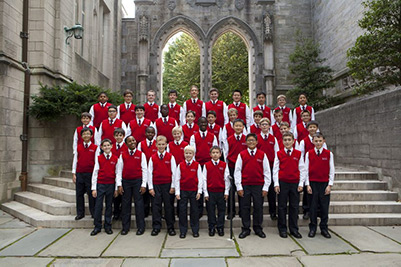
(143, 57)
(268, 52)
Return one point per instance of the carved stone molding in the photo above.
(239, 4)
(171, 4)
(267, 28)
(143, 28)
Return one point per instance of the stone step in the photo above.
(355, 175)
(60, 182)
(363, 195)
(52, 191)
(66, 174)
(47, 204)
(39, 218)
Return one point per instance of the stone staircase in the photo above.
(358, 198)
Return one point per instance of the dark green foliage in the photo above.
(57, 101)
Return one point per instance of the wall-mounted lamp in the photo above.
(77, 30)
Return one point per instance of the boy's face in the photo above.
(106, 147)
(288, 142)
(251, 142)
(189, 155)
(164, 110)
(318, 142)
(119, 137)
(215, 154)
(238, 127)
(302, 100)
(150, 134)
(213, 95)
(131, 142)
(139, 113)
(261, 99)
(312, 129)
(284, 129)
(177, 135)
(265, 126)
(278, 117)
(151, 97)
(257, 119)
(128, 98)
(161, 146)
(232, 116)
(172, 97)
(86, 136)
(202, 124)
(190, 118)
(237, 97)
(305, 117)
(281, 101)
(103, 98)
(211, 118)
(85, 120)
(194, 92)
(112, 113)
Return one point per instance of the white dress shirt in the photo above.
(144, 168)
(331, 172)
(150, 170)
(301, 167)
(96, 172)
(227, 183)
(178, 178)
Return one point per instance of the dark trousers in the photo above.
(288, 193)
(271, 196)
(305, 201)
(194, 212)
(83, 185)
(318, 200)
(162, 196)
(146, 201)
(104, 191)
(216, 200)
(117, 206)
(201, 201)
(132, 189)
(252, 193)
(231, 196)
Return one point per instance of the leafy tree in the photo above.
(310, 76)
(375, 59)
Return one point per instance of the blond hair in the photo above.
(232, 110)
(265, 120)
(177, 129)
(189, 148)
(161, 138)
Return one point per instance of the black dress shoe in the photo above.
(212, 232)
(326, 234)
(108, 231)
(116, 217)
(306, 216)
(244, 233)
(312, 233)
(229, 217)
(140, 231)
(183, 235)
(220, 232)
(155, 232)
(171, 232)
(95, 232)
(79, 217)
(260, 234)
(296, 234)
(273, 217)
(195, 235)
(124, 232)
(283, 234)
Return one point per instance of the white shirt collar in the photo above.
(192, 160)
(121, 144)
(169, 104)
(179, 142)
(89, 143)
(262, 107)
(236, 135)
(164, 118)
(254, 150)
(285, 150)
(142, 119)
(214, 162)
(126, 104)
(151, 103)
(320, 150)
(133, 151)
(105, 154)
(164, 153)
(212, 125)
(205, 132)
(192, 99)
(147, 141)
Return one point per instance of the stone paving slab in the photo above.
(33, 243)
(203, 241)
(270, 261)
(88, 262)
(78, 242)
(393, 232)
(9, 236)
(199, 252)
(24, 261)
(365, 239)
(353, 260)
(217, 262)
(131, 245)
(146, 262)
(15, 223)
(322, 245)
(5, 217)
(273, 244)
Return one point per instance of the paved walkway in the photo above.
(24, 245)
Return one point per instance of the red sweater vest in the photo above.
(319, 166)
(276, 132)
(229, 130)
(127, 115)
(86, 158)
(165, 128)
(219, 109)
(138, 132)
(267, 146)
(177, 151)
(215, 176)
(151, 112)
(234, 148)
(189, 132)
(289, 166)
(298, 111)
(162, 169)
(107, 169)
(174, 112)
(108, 130)
(118, 152)
(132, 165)
(286, 114)
(149, 151)
(80, 128)
(100, 113)
(266, 111)
(252, 168)
(241, 111)
(301, 131)
(203, 147)
(281, 144)
(189, 176)
(197, 107)
(308, 145)
(215, 131)
(255, 130)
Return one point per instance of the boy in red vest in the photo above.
(103, 186)
(300, 131)
(284, 127)
(232, 147)
(165, 124)
(212, 126)
(138, 126)
(244, 112)
(161, 173)
(99, 110)
(287, 114)
(188, 187)
(175, 110)
(126, 111)
(107, 127)
(319, 179)
(269, 144)
(288, 180)
(189, 128)
(257, 116)
(275, 123)
(82, 168)
(228, 129)
(85, 119)
(252, 179)
(131, 182)
(195, 104)
(177, 146)
(298, 110)
(151, 108)
(307, 143)
(218, 106)
(216, 189)
(117, 149)
(261, 98)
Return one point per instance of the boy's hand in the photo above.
(309, 189)
(94, 193)
(264, 193)
(120, 190)
(277, 189)
(142, 190)
(197, 196)
(74, 178)
(300, 188)
(152, 192)
(240, 193)
(172, 191)
(177, 197)
(225, 197)
(328, 190)
(115, 193)
(206, 198)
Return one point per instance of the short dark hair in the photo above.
(192, 112)
(213, 148)
(312, 123)
(261, 93)
(251, 135)
(112, 106)
(318, 135)
(237, 91)
(150, 128)
(172, 91)
(126, 92)
(125, 141)
(211, 112)
(288, 134)
(139, 107)
(105, 140)
(119, 130)
(87, 129)
(238, 120)
(102, 93)
(305, 111)
(213, 90)
(86, 114)
(202, 118)
(278, 111)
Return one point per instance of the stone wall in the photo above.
(365, 133)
